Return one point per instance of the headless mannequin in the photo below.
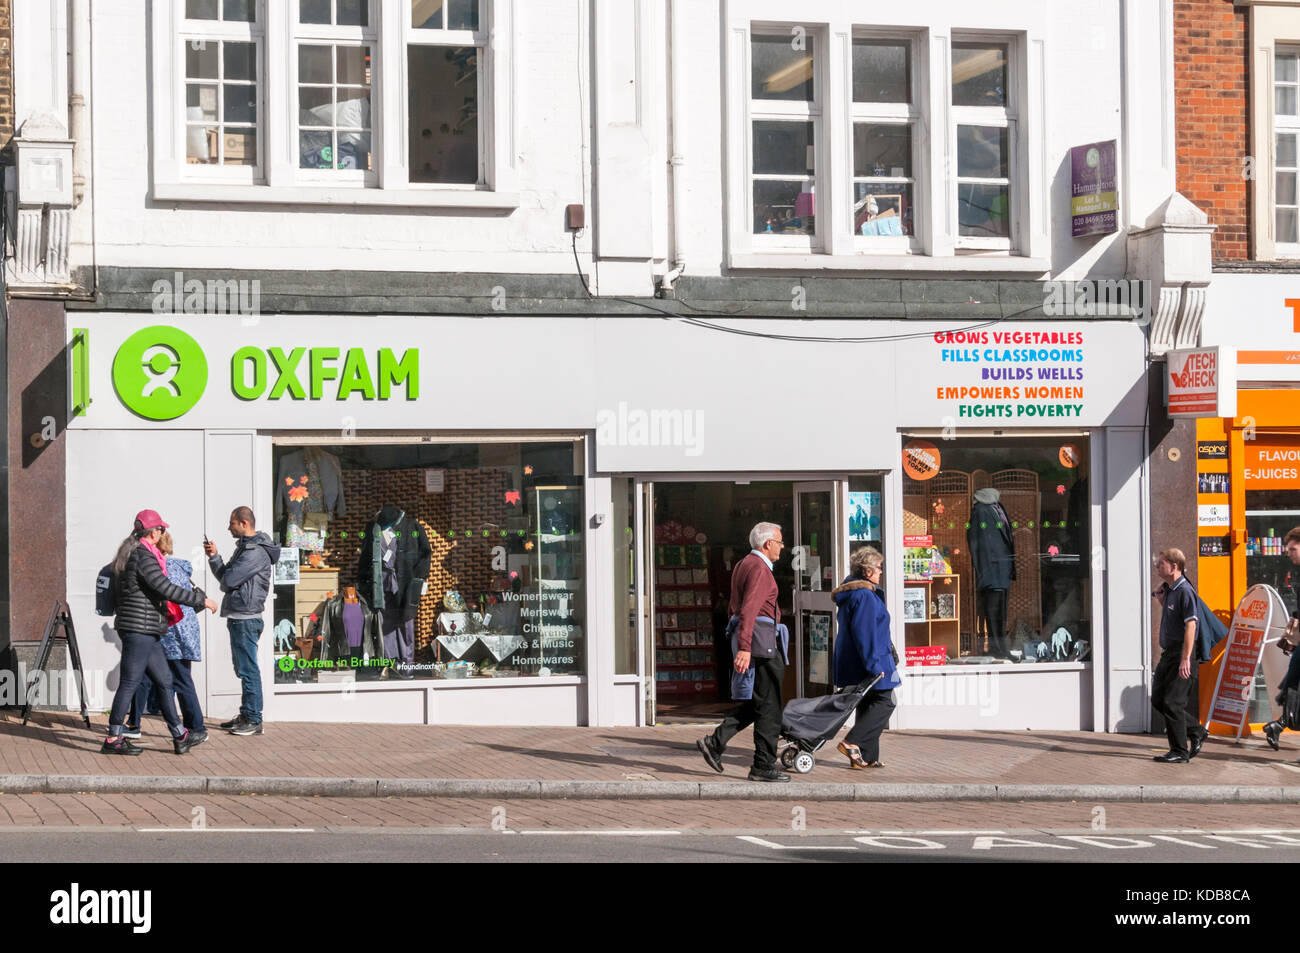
(993, 560)
(353, 621)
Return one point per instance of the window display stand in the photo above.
(938, 628)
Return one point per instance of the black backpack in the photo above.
(106, 591)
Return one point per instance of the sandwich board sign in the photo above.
(1261, 616)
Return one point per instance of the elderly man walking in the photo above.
(759, 645)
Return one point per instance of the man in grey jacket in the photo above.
(245, 582)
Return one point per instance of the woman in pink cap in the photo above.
(143, 614)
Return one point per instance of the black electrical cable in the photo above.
(798, 338)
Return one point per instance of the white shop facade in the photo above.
(575, 491)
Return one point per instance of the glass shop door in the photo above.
(816, 559)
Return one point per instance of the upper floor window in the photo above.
(444, 52)
(222, 44)
(885, 115)
(334, 49)
(1286, 129)
(784, 116)
(318, 94)
(883, 140)
(983, 131)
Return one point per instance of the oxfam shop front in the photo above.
(481, 521)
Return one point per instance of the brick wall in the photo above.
(1212, 117)
(6, 82)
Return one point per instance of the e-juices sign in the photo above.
(1094, 199)
(1023, 375)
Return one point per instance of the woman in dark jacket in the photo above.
(863, 650)
(143, 591)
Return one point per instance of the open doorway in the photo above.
(700, 532)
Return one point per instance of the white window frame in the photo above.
(1001, 117)
(439, 37)
(279, 180)
(910, 114)
(789, 111)
(1283, 125)
(336, 37)
(222, 31)
(934, 25)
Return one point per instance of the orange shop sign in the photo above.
(921, 459)
(1272, 464)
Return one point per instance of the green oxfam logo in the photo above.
(286, 664)
(160, 372)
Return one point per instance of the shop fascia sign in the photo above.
(1202, 382)
(160, 373)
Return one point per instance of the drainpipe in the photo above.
(677, 67)
(79, 98)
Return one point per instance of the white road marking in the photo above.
(225, 830)
(606, 833)
(767, 843)
(1185, 843)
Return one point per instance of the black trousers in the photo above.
(1169, 697)
(995, 619)
(872, 716)
(763, 711)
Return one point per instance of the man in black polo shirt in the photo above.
(1175, 672)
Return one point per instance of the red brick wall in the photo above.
(1212, 117)
(6, 82)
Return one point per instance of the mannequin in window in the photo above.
(993, 559)
(391, 573)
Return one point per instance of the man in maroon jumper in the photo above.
(759, 664)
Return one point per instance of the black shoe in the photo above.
(1280, 697)
(711, 757)
(197, 738)
(1272, 733)
(246, 727)
(184, 743)
(121, 747)
(1195, 743)
(1171, 757)
(767, 774)
(227, 725)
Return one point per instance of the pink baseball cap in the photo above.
(146, 520)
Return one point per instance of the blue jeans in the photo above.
(186, 695)
(143, 702)
(244, 634)
(141, 653)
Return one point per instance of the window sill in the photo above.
(993, 264)
(307, 195)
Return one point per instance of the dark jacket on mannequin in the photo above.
(411, 563)
(334, 635)
(992, 552)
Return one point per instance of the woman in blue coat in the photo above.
(863, 650)
(181, 645)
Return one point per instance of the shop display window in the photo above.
(445, 561)
(997, 554)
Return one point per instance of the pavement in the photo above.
(55, 754)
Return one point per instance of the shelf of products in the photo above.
(932, 614)
(684, 653)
